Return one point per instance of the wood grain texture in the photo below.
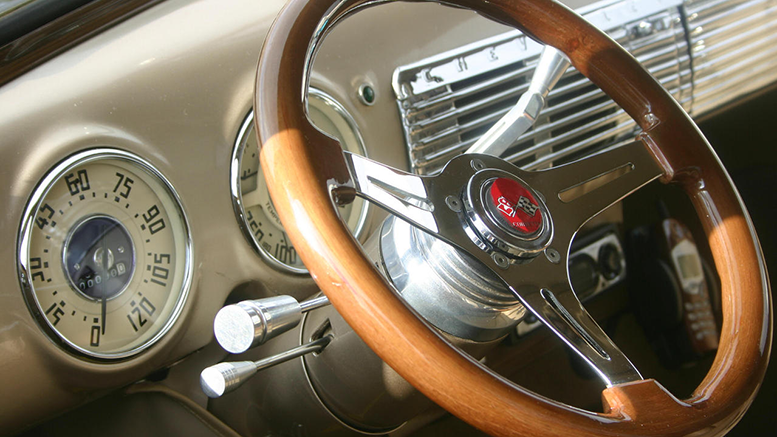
(303, 167)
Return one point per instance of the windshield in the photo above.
(19, 17)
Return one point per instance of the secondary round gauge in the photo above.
(254, 209)
(104, 254)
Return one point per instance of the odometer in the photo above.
(104, 254)
(253, 206)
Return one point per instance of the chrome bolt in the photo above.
(478, 164)
(120, 249)
(651, 119)
(644, 28)
(453, 203)
(553, 255)
(501, 261)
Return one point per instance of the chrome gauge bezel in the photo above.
(246, 128)
(25, 233)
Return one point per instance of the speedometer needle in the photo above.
(104, 294)
(104, 300)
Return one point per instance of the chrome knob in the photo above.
(222, 378)
(225, 377)
(247, 324)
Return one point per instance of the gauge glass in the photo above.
(104, 254)
(255, 210)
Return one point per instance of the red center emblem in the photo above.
(517, 208)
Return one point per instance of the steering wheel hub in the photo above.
(506, 214)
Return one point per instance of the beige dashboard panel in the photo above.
(173, 85)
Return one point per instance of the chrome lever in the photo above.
(249, 323)
(223, 378)
(550, 67)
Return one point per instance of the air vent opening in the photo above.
(567, 79)
(576, 109)
(583, 121)
(582, 153)
(491, 93)
(525, 161)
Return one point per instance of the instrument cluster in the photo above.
(105, 254)
(104, 248)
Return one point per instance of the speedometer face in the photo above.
(253, 206)
(104, 254)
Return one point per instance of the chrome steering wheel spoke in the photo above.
(544, 289)
(578, 191)
(431, 203)
(566, 197)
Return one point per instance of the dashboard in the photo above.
(135, 208)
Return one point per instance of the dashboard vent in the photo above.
(448, 101)
(733, 47)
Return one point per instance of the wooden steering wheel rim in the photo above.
(303, 166)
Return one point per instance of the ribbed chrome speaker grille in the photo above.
(734, 49)
(448, 101)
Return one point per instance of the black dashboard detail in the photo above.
(597, 263)
(99, 257)
(673, 292)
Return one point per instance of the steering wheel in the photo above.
(308, 173)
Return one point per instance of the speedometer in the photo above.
(104, 254)
(253, 206)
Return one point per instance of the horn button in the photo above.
(512, 206)
(505, 214)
